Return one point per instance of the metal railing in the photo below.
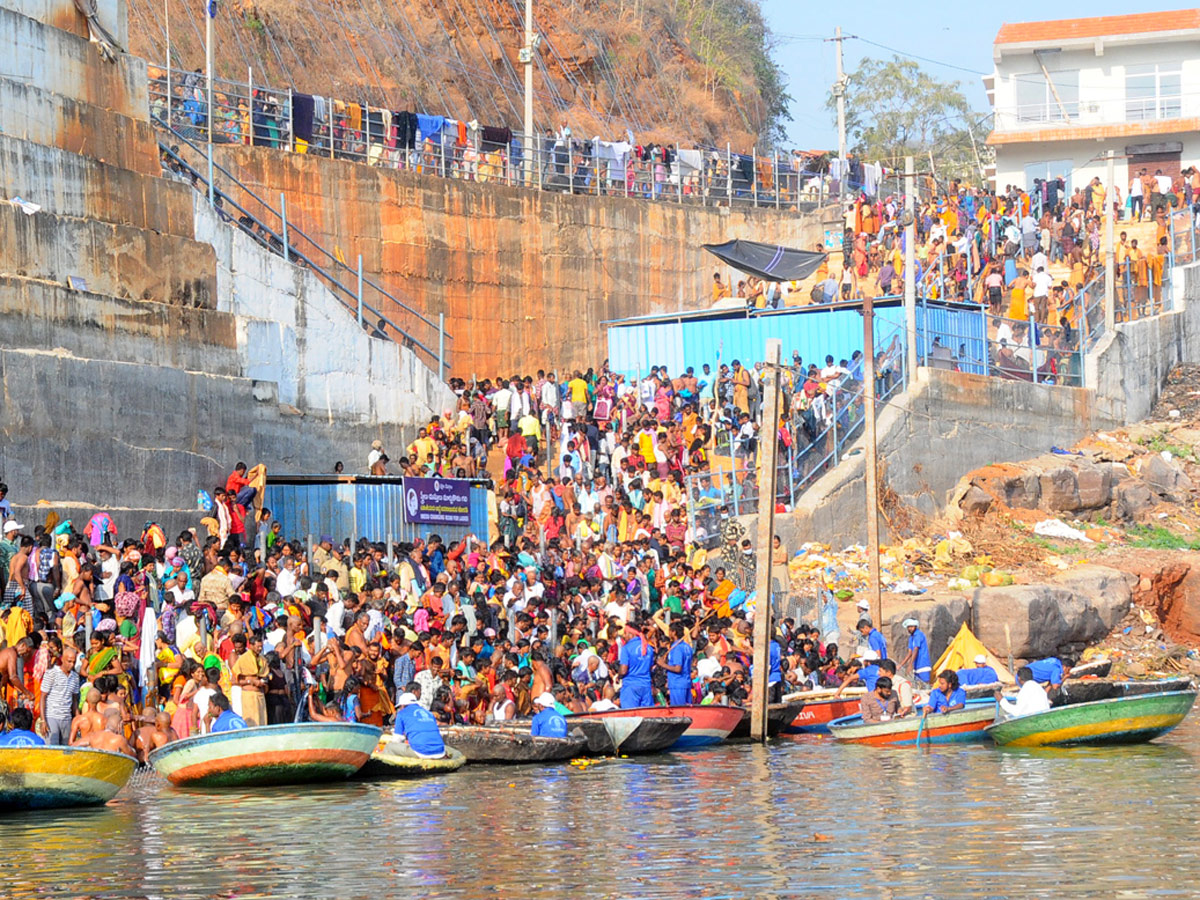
(375, 307)
(249, 113)
(282, 243)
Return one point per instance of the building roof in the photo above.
(1095, 132)
(1061, 30)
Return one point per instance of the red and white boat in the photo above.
(822, 707)
(710, 724)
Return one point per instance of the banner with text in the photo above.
(437, 501)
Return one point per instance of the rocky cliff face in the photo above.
(666, 70)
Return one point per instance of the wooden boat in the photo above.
(710, 724)
(1090, 690)
(819, 708)
(386, 764)
(779, 716)
(960, 726)
(629, 735)
(271, 754)
(54, 777)
(488, 744)
(1119, 720)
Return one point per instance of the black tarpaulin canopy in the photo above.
(767, 261)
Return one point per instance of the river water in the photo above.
(801, 817)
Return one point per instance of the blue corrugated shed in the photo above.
(692, 339)
(355, 507)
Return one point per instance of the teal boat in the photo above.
(1118, 720)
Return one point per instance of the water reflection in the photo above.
(801, 817)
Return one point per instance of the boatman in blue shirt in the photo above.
(982, 673)
(22, 734)
(947, 696)
(417, 725)
(227, 719)
(875, 640)
(918, 652)
(1048, 671)
(549, 722)
(679, 667)
(636, 662)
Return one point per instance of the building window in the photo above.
(1036, 101)
(1152, 91)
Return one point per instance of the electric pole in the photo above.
(839, 92)
(910, 274)
(527, 58)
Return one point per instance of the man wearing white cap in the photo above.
(862, 671)
(418, 726)
(9, 547)
(918, 652)
(548, 722)
(982, 673)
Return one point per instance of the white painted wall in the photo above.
(292, 331)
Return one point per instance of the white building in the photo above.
(1066, 92)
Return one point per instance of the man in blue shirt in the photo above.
(22, 734)
(679, 667)
(636, 662)
(549, 722)
(227, 719)
(418, 726)
(875, 640)
(982, 673)
(918, 652)
(863, 671)
(947, 696)
(1048, 671)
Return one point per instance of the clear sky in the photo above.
(959, 33)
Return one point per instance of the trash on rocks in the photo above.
(1056, 528)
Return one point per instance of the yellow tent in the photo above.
(961, 653)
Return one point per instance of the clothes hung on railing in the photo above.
(430, 126)
(406, 129)
(303, 109)
(614, 154)
(493, 137)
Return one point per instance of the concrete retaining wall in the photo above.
(1130, 365)
(523, 277)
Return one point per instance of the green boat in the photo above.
(1119, 720)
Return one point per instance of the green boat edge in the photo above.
(1097, 711)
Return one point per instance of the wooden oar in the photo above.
(920, 730)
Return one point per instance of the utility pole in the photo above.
(1110, 281)
(769, 440)
(210, 13)
(839, 92)
(910, 275)
(527, 58)
(872, 462)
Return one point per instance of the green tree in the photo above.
(896, 109)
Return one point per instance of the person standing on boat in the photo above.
(548, 722)
(636, 661)
(417, 725)
(1031, 698)
(875, 640)
(918, 652)
(678, 664)
(947, 696)
(864, 670)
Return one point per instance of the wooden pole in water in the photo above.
(769, 441)
(868, 389)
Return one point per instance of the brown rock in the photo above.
(975, 501)
(1060, 490)
(1166, 478)
(1094, 486)
(1021, 491)
(1131, 499)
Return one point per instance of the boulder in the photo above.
(1166, 478)
(1132, 498)
(1021, 491)
(1095, 486)
(1046, 619)
(940, 620)
(975, 502)
(1060, 489)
